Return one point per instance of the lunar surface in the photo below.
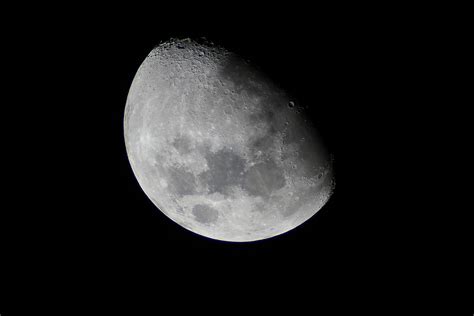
(219, 148)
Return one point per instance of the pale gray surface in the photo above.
(215, 146)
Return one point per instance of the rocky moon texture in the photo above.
(219, 148)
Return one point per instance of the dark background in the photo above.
(80, 228)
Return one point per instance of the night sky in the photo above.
(82, 229)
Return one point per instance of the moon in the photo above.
(219, 148)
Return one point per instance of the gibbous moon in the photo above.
(219, 148)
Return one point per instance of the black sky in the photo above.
(81, 223)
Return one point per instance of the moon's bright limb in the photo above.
(219, 148)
